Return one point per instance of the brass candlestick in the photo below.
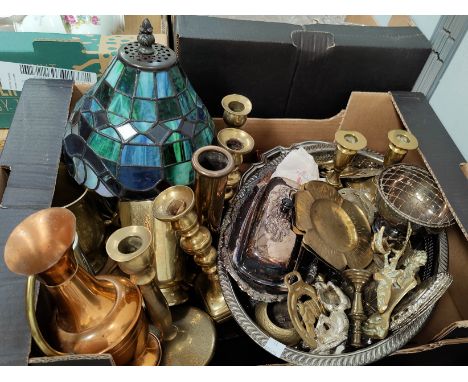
(401, 141)
(359, 278)
(212, 165)
(348, 143)
(169, 258)
(238, 143)
(236, 109)
(94, 315)
(176, 205)
(189, 340)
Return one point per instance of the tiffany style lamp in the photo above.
(133, 133)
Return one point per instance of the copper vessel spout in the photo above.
(94, 315)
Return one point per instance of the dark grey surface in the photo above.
(32, 153)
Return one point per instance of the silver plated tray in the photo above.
(234, 287)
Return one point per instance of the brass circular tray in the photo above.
(234, 288)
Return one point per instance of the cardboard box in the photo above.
(295, 71)
(33, 173)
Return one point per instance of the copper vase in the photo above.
(93, 315)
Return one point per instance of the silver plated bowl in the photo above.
(233, 286)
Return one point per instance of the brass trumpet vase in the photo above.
(189, 340)
(94, 315)
(177, 206)
(238, 143)
(236, 109)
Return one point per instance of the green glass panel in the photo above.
(191, 92)
(104, 94)
(192, 116)
(174, 137)
(127, 81)
(89, 118)
(164, 85)
(178, 79)
(180, 174)
(186, 103)
(115, 120)
(168, 109)
(114, 74)
(173, 125)
(177, 152)
(104, 147)
(200, 127)
(120, 105)
(144, 110)
(110, 132)
(145, 87)
(204, 138)
(142, 126)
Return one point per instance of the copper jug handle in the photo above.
(32, 320)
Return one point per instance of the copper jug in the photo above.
(94, 315)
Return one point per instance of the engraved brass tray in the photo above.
(234, 288)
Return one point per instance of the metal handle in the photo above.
(32, 320)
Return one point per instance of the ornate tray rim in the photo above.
(362, 356)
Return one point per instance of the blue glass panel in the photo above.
(204, 138)
(178, 79)
(95, 106)
(91, 178)
(86, 104)
(159, 134)
(174, 137)
(144, 110)
(89, 118)
(192, 116)
(133, 155)
(200, 127)
(100, 118)
(111, 166)
(114, 73)
(103, 191)
(187, 128)
(164, 85)
(173, 125)
(201, 113)
(142, 139)
(115, 119)
(191, 92)
(79, 170)
(104, 94)
(85, 128)
(180, 174)
(120, 105)
(110, 132)
(127, 81)
(145, 87)
(142, 126)
(186, 103)
(139, 178)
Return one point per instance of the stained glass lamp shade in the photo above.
(134, 132)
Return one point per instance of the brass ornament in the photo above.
(334, 228)
(94, 315)
(239, 143)
(236, 109)
(304, 307)
(348, 143)
(400, 142)
(177, 206)
(189, 341)
(358, 278)
(287, 336)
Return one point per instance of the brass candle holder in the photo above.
(177, 206)
(348, 143)
(94, 315)
(169, 258)
(212, 165)
(401, 141)
(238, 143)
(236, 109)
(359, 278)
(189, 340)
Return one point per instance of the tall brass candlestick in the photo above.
(400, 142)
(236, 109)
(190, 339)
(212, 165)
(359, 278)
(238, 143)
(348, 143)
(177, 206)
(94, 315)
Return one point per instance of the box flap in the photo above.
(438, 151)
(32, 153)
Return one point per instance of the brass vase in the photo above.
(94, 315)
(189, 340)
(238, 143)
(168, 257)
(177, 206)
(212, 165)
(236, 109)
